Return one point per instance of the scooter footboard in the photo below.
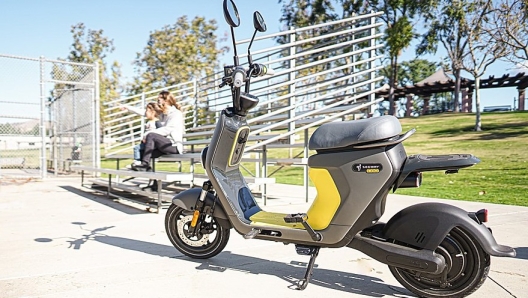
(187, 200)
(426, 225)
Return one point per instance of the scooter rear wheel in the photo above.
(467, 269)
(206, 244)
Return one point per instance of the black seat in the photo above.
(347, 133)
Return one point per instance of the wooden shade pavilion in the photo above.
(439, 82)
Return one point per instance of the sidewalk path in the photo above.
(60, 240)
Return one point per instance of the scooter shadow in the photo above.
(333, 279)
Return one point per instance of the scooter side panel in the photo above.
(359, 176)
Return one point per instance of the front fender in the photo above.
(426, 225)
(187, 200)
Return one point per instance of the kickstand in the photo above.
(303, 283)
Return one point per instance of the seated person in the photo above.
(152, 112)
(167, 139)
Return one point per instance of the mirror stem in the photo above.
(250, 60)
(235, 57)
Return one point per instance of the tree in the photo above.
(482, 50)
(411, 72)
(91, 46)
(177, 53)
(398, 17)
(302, 14)
(509, 26)
(447, 25)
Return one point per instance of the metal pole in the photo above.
(372, 96)
(96, 151)
(305, 172)
(43, 164)
(195, 90)
(144, 106)
(291, 77)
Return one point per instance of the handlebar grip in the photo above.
(261, 69)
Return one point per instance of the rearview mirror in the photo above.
(231, 13)
(258, 22)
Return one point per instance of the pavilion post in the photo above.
(409, 105)
(425, 108)
(521, 99)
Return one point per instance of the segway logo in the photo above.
(369, 168)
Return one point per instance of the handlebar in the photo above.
(261, 70)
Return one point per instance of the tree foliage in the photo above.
(177, 53)
(509, 26)
(412, 71)
(398, 17)
(482, 50)
(92, 46)
(447, 25)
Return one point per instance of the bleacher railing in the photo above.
(322, 73)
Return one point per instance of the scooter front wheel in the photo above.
(467, 267)
(207, 243)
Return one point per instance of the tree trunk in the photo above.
(478, 124)
(392, 80)
(457, 90)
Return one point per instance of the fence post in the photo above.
(43, 163)
(97, 126)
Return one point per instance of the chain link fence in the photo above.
(48, 116)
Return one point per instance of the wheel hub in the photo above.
(183, 227)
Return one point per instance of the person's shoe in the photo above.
(154, 186)
(134, 163)
(143, 167)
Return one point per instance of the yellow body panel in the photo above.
(264, 218)
(320, 213)
(327, 201)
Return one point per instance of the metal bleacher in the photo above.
(330, 76)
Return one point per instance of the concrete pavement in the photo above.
(60, 240)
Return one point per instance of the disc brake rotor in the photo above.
(196, 241)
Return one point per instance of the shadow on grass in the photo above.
(494, 134)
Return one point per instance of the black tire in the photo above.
(467, 263)
(203, 246)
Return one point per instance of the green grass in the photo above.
(501, 176)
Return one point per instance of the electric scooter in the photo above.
(432, 249)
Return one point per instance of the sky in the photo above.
(42, 28)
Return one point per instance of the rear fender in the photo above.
(426, 225)
(187, 200)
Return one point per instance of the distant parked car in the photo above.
(497, 109)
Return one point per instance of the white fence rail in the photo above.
(318, 78)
